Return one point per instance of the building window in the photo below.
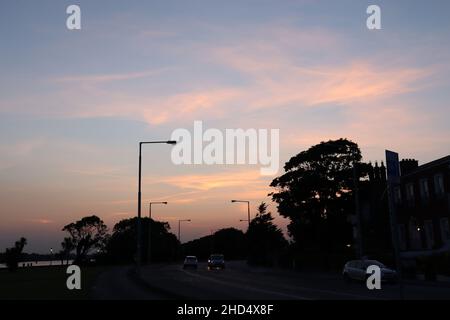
(410, 193)
(429, 233)
(424, 191)
(397, 195)
(439, 184)
(445, 230)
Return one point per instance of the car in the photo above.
(190, 262)
(216, 261)
(357, 270)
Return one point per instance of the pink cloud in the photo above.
(205, 182)
(41, 221)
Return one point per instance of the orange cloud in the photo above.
(207, 182)
(41, 221)
(189, 105)
(93, 79)
(277, 80)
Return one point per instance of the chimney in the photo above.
(408, 165)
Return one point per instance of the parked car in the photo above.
(357, 270)
(190, 262)
(216, 261)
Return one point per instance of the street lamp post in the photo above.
(248, 209)
(139, 231)
(179, 228)
(150, 229)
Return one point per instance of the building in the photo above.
(374, 212)
(422, 201)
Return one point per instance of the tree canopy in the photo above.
(228, 241)
(265, 240)
(316, 194)
(87, 234)
(13, 255)
(121, 247)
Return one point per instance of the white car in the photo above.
(190, 262)
(357, 270)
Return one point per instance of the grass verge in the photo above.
(45, 283)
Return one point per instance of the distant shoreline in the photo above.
(44, 263)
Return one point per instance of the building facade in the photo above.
(422, 201)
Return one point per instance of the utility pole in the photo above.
(248, 209)
(139, 223)
(359, 240)
(393, 179)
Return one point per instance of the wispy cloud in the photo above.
(276, 79)
(189, 105)
(41, 221)
(271, 73)
(21, 150)
(95, 79)
(205, 182)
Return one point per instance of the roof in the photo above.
(429, 165)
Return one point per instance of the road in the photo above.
(241, 282)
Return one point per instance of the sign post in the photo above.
(393, 180)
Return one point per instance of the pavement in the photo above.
(241, 282)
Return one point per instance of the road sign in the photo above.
(392, 167)
(393, 180)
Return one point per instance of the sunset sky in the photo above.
(74, 104)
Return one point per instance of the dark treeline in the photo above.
(229, 242)
(121, 247)
(316, 193)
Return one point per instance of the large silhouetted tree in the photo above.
(315, 193)
(121, 247)
(67, 247)
(264, 239)
(13, 255)
(87, 234)
(229, 242)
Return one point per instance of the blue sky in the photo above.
(74, 104)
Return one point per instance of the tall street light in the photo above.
(248, 209)
(139, 228)
(179, 228)
(149, 256)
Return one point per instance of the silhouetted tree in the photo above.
(315, 193)
(13, 255)
(67, 247)
(86, 234)
(229, 241)
(265, 240)
(121, 247)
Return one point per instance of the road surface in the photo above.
(241, 282)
